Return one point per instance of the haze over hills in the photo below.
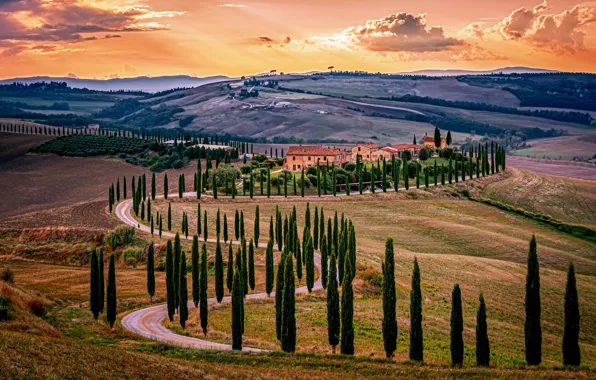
(142, 83)
(503, 70)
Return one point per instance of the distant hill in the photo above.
(503, 70)
(147, 84)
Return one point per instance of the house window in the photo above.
(325, 158)
(309, 158)
(294, 158)
(294, 167)
(359, 149)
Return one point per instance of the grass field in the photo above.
(567, 199)
(450, 238)
(563, 148)
(76, 106)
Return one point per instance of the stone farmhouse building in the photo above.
(429, 141)
(301, 157)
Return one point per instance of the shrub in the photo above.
(350, 166)
(260, 158)
(7, 275)
(4, 312)
(120, 236)
(424, 154)
(246, 169)
(136, 253)
(312, 170)
(36, 308)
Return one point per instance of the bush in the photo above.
(4, 312)
(36, 308)
(120, 236)
(312, 170)
(7, 275)
(260, 158)
(246, 169)
(424, 154)
(350, 166)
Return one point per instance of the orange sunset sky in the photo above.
(110, 38)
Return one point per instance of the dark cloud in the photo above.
(265, 39)
(72, 21)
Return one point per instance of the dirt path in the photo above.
(148, 322)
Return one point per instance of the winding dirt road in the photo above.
(148, 322)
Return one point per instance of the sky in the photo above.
(127, 38)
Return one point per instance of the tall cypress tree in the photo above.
(150, 271)
(457, 328)
(288, 318)
(94, 285)
(333, 317)
(153, 192)
(309, 260)
(170, 288)
(102, 282)
(237, 225)
(269, 267)
(203, 308)
(169, 216)
(251, 265)
(205, 229)
(217, 224)
(315, 232)
(532, 326)
(196, 284)
(257, 229)
(219, 273)
(237, 308)
(347, 312)
(242, 224)
(279, 287)
(230, 274)
(324, 263)
(389, 300)
(482, 343)
(111, 292)
(416, 341)
(322, 227)
(225, 228)
(177, 254)
(571, 352)
(183, 292)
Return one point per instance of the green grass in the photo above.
(76, 106)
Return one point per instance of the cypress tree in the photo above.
(384, 176)
(435, 173)
(279, 287)
(416, 341)
(321, 227)
(288, 318)
(417, 175)
(298, 253)
(118, 190)
(169, 216)
(237, 309)
(482, 343)
(268, 182)
(203, 308)
(251, 265)
(225, 228)
(257, 229)
(450, 174)
(309, 260)
(217, 224)
(269, 267)
(111, 292)
(153, 192)
(244, 265)
(183, 292)
(199, 219)
(237, 225)
(278, 232)
(170, 288)
(389, 300)
(102, 282)
(347, 312)
(333, 315)
(177, 253)
(219, 273)
(196, 285)
(532, 326)
(94, 286)
(302, 184)
(205, 229)
(124, 188)
(457, 328)
(426, 176)
(242, 224)
(571, 352)
(150, 272)
(316, 229)
(324, 263)
(442, 174)
(230, 274)
(294, 183)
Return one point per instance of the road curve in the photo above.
(148, 322)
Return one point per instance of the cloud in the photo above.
(287, 40)
(400, 32)
(232, 5)
(560, 33)
(73, 21)
(265, 39)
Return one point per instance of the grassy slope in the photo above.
(478, 246)
(567, 199)
(565, 147)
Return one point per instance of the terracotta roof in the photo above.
(432, 139)
(309, 150)
(405, 146)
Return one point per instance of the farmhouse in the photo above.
(93, 126)
(429, 141)
(301, 157)
(364, 151)
(206, 146)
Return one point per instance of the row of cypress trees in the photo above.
(532, 324)
(99, 295)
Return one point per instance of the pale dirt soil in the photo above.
(554, 167)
